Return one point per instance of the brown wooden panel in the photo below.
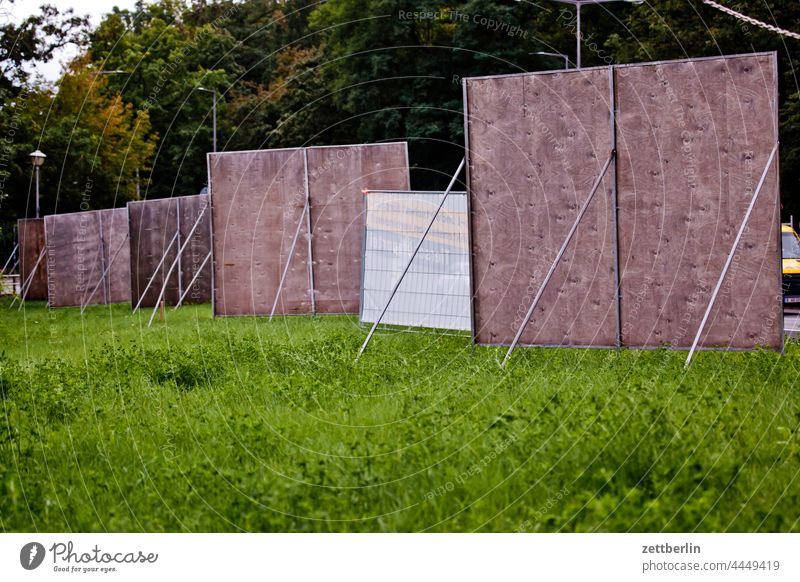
(537, 143)
(257, 202)
(693, 140)
(196, 250)
(337, 176)
(153, 224)
(117, 251)
(30, 232)
(74, 258)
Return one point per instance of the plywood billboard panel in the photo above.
(197, 249)
(694, 138)
(258, 201)
(31, 243)
(117, 258)
(153, 226)
(537, 144)
(337, 177)
(79, 248)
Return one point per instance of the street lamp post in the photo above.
(214, 112)
(37, 159)
(577, 4)
(556, 55)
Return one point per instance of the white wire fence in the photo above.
(435, 292)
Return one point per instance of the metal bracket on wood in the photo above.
(730, 256)
(104, 275)
(175, 262)
(411, 260)
(557, 260)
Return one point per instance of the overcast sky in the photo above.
(95, 9)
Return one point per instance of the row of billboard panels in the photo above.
(264, 205)
(109, 256)
(682, 145)
(680, 161)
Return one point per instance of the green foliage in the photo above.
(246, 424)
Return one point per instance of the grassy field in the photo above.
(245, 424)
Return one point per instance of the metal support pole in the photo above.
(563, 248)
(214, 108)
(615, 210)
(105, 272)
(175, 262)
(155, 272)
(29, 281)
(288, 261)
(308, 227)
(730, 256)
(196, 275)
(413, 256)
(37, 190)
(578, 38)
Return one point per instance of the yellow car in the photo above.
(791, 265)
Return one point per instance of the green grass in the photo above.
(245, 424)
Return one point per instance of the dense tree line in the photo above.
(126, 118)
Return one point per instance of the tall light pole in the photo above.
(214, 109)
(577, 4)
(556, 55)
(37, 159)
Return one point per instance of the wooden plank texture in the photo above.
(693, 140)
(337, 177)
(190, 208)
(31, 242)
(257, 200)
(79, 246)
(537, 143)
(153, 224)
(117, 251)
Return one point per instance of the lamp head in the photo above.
(37, 158)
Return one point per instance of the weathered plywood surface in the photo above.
(693, 140)
(537, 143)
(257, 200)
(117, 256)
(74, 257)
(337, 176)
(79, 247)
(153, 224)
(31, 243)
(197, 249)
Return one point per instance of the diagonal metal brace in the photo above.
(730, 256)
(411, 260)
(560, 254)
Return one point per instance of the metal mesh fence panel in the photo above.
(435, 292)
